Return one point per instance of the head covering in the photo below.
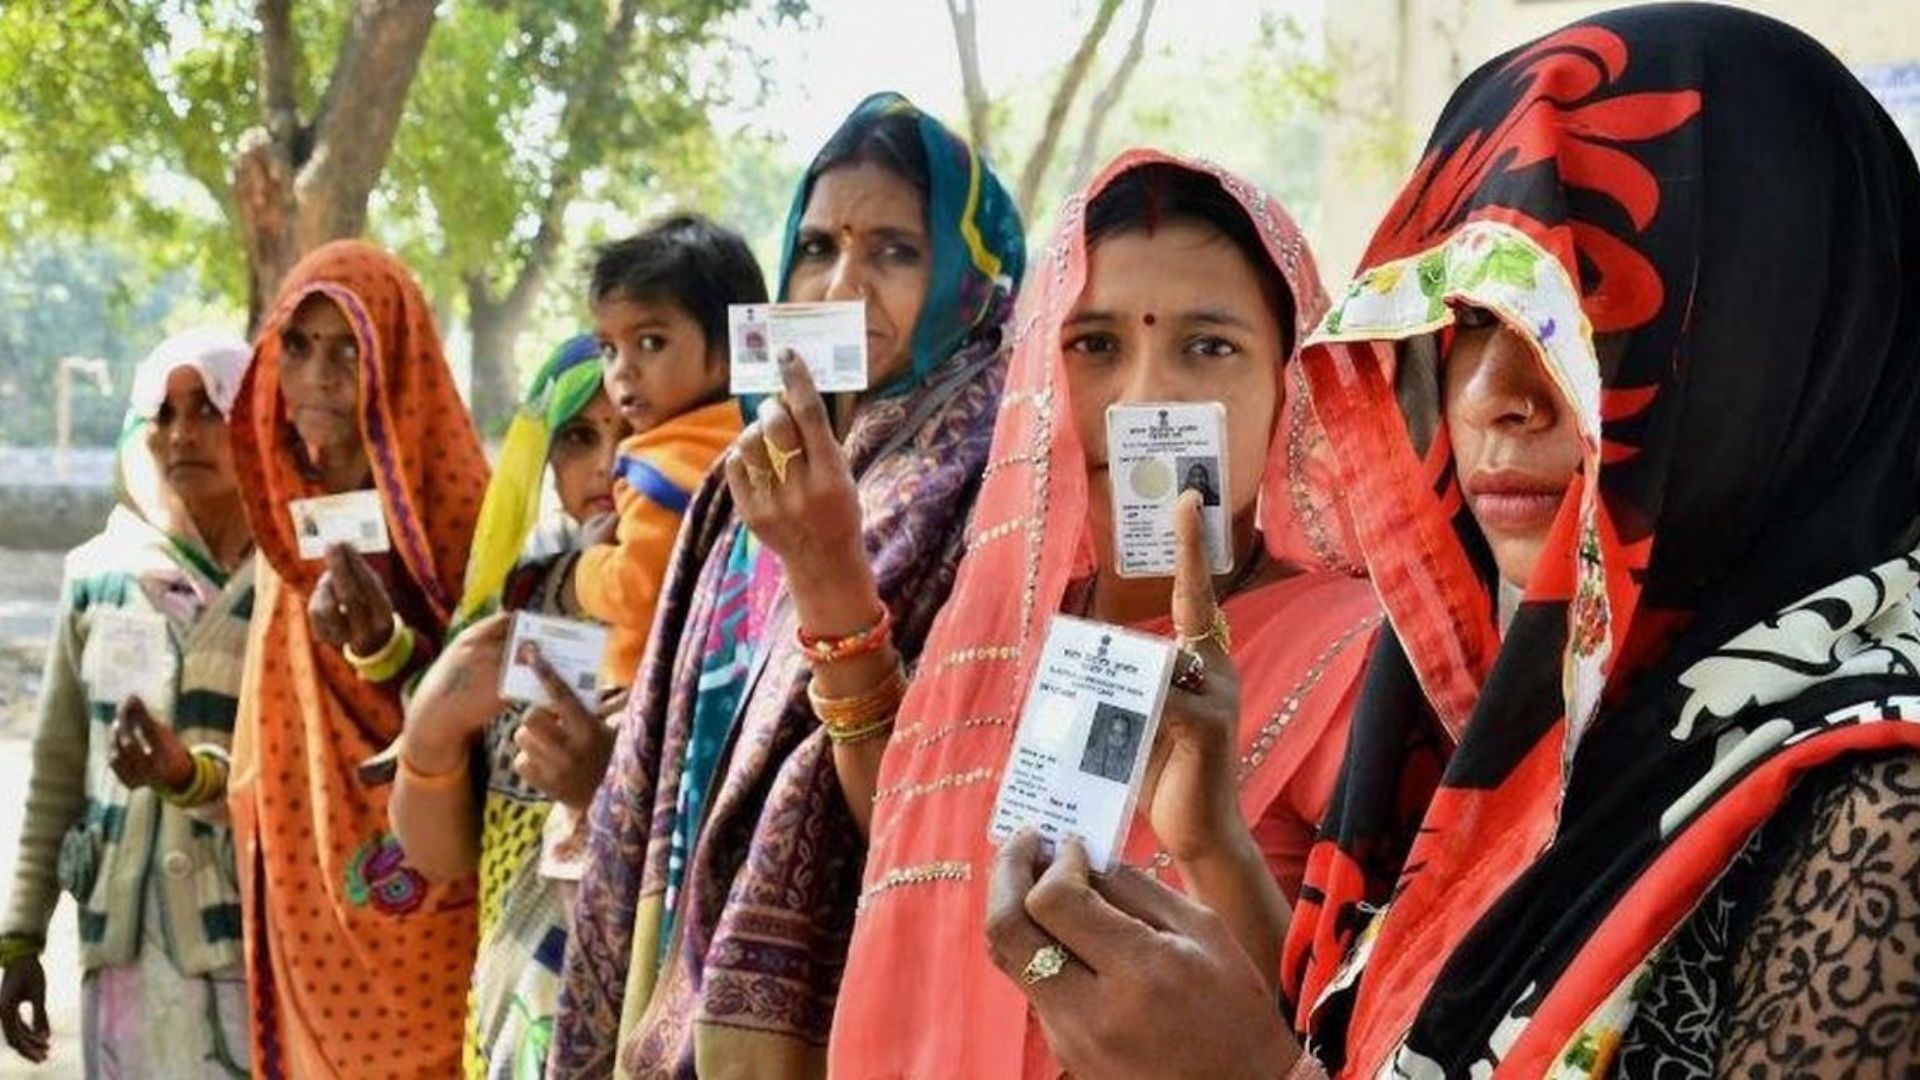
(426, 456)
(220, 358)
(334, 915)
(567, 383)
(1303, 640)
(979, 250)
(1727, 591)
(714, 914)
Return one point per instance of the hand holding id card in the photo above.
(831, 338)
(354, 518)
(571, 647)
(1080, 754)
(1154, 453)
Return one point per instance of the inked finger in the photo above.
(1193, 600)
(804, 406)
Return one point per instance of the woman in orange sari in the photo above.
(357, 967)
(1168, 280)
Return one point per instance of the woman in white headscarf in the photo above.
(126, 806)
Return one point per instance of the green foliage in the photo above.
(64, 299)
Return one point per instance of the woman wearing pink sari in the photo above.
(1168, 280)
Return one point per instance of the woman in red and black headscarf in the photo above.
(1627, 402)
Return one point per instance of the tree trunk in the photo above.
(495, 328)
(1063, 95)
(966, 39)
(496, 324)
(298, 186)
(1108, 98)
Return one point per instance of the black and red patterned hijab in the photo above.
(1726, 599)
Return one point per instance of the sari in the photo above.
(713, 917)
(1299, 644)
(356, 964)
(523, 910)
(1526, 823)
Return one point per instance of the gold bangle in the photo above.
(858, 714)
(859, 735)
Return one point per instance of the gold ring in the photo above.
(756, 476)
(1217, 631)
(1048, 960)
(779, 458)
(1190, 672)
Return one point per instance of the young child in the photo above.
(659, 304)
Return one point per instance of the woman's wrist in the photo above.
(426, 755)
(834, 599)
(1225, 845)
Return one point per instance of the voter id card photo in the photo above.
(830, 337)
(1080, 753)
(571, 647)
(1155, 452)
(128, 654)
(354, 518)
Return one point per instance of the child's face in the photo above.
(582, 459)
(659, 362)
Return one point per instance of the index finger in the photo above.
(1064, 905)
(1193, 602)
(358, 572)
(804, 405)
(562, 699)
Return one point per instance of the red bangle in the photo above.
(820, 649)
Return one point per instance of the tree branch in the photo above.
(966, 39)
(1108, 98)
(359, 116)
(1063, 95)
(279, 63)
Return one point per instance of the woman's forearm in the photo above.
(435, 819)
(837, 604)
(1235, 883)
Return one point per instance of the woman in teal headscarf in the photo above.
(474, 791)
(726, 844)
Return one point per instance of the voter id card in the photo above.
(354, 518)
(128, 654)
(1154, 453)
(830, 337)
(1086, 728)
(571, 647)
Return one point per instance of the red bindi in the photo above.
(1148, 318)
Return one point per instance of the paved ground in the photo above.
(29, 588)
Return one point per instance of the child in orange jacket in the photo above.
(659, 303)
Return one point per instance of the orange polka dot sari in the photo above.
(357, 967)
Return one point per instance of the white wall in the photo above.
(1400, 59)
